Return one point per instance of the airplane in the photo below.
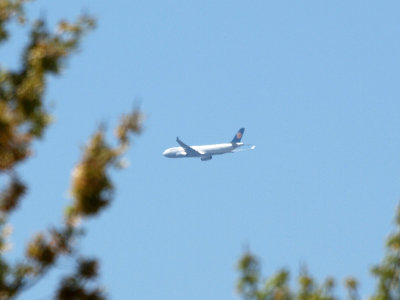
(206, 152)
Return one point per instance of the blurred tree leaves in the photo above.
(251, 286)
(388, 271)
(24, 118)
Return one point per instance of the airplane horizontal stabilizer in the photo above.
(244, 148)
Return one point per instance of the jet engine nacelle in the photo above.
(206, 158)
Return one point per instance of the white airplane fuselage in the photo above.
(206, 151)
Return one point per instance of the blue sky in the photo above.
(315, 83)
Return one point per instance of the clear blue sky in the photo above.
(315, 83)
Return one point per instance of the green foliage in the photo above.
(75, 286)
(24, 118)
(388, 271)
(252, 287)
(8, 11)
(10, 196)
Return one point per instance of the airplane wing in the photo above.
(189, 150)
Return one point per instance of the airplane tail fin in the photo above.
(238, 136)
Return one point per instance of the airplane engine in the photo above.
(206, 158)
